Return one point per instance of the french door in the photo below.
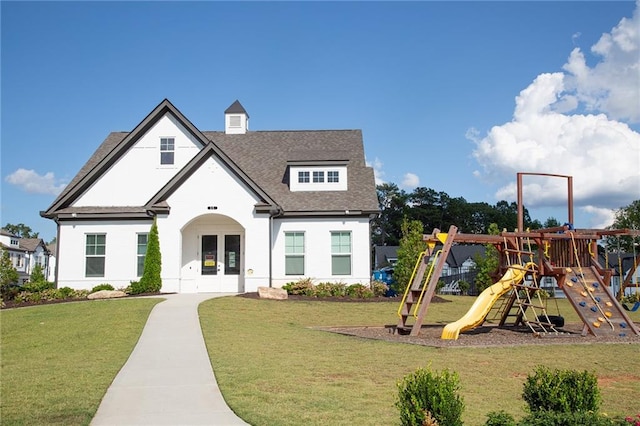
(220, 262)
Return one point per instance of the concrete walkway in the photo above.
(168, 379)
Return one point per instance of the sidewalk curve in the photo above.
(168, 379)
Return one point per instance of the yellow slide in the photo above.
(481, 307)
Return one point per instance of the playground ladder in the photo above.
(418, 297)
(525, 296)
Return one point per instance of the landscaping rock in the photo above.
(107, 294)
(272, 293)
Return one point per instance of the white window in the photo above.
(341, 253)
(167, 150)
(95, 251)
(294, 253)
(14, 242)
(143, 239)
(303, 177)
(333, 176)
(318, 177)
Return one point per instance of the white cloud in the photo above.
(31, 182)
(410, 181)
(600, 218)
(571, 123)
(378, 173)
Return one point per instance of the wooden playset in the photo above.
(568, 255)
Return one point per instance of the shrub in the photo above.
(303, 287)
(359, 291)
(38, 286)
(104, 286)
(379, 288)
(500, 418)
(423, 393)
(37, 275)
(65, 292)
(322, 290)
(136, 288)
(582, 418)
(563, 391)
(151, 280)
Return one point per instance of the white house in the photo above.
(17, 255)
(236, 209)
(25, 254)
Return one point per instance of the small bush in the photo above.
(322, 290)
(359, 291)
(379, 288)
(136, 288)
(303, 287)
(500, 418)
(562, 391)
(65, 292)
(38, 286)
(104, 286)
(424, 393)
(584, 418)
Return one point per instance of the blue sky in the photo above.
(454, 96)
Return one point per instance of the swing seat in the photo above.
(633, 308)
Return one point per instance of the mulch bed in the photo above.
(11, 304)
(488, 335)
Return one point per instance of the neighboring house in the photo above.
(36, 254)
(384, 256)
(459, 265)
(25, 254)
(235, 209)
(11, 243)
(51, 272)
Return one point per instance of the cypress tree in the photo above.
(151, 282)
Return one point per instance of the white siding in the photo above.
(120, 258)
(318, 249)
(138, 175)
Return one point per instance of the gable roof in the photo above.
(260, 159)
(31, 244)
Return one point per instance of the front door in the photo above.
(220, 263)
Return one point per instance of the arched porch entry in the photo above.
(212, 255)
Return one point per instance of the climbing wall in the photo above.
(596, 306)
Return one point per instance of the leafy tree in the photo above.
(21, 230)
(487, 264)
(8, 274)
(411, 245)
(393, 205)
(551, 222)
(625, 218)
(37, 275)
(151, 281)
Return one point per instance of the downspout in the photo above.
(57, 250)
(274, 212)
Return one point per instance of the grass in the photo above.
(58, 360)
(274, 369)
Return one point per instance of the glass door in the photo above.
(209, 255)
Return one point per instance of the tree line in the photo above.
(439, 210)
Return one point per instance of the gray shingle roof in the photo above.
(263, 156)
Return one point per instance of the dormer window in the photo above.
(303, 177)
(167, 150)
(320, 177)
(236, 120)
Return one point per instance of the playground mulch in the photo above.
(484, 336)
(488, 335)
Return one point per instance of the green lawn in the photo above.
(58, 360)
(273, 369)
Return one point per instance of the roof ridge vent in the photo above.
(236, 119)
